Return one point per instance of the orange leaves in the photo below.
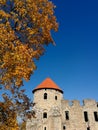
(25, 27)
(18, 64)
(3, 14)
(2, 2)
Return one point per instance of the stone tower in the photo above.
(47, 97)
(54, 113)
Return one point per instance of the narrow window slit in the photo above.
(67, 115)
(85, 116)
(96, 116)
(45, 95)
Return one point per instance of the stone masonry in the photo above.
(54, 113)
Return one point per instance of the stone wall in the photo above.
(76, 111)
(62, 114)
(50, 101)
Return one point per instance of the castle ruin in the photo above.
(55, 113)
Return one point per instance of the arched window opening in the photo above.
(44, 115)
(45, 95)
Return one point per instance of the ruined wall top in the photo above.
(77, 103)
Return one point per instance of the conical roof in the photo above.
(48, 84)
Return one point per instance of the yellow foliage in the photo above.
(25, 27)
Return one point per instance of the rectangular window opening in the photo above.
(96, 116)
(67, 115)
(86, 116)
(64, 127)
(44, 115)
(55, 97)
(88, 128)
(44, 128)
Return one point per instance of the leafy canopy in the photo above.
(25, 27)
(8, 120)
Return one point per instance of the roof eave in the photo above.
(47, 88)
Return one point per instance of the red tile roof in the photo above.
(47, 84)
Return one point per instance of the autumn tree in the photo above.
(25, 29)
(15, 106)
(8, 120)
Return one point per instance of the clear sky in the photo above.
(73, 63)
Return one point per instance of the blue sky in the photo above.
(73, 63)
